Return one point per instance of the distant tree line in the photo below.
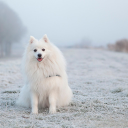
(84, 43)
(11, 29)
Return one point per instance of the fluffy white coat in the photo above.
(46, 83)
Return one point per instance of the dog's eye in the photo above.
(43, 49)
(35, 50)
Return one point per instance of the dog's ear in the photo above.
(31, 39)
(45, 38)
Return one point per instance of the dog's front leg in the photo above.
(34, 103)
(52, 102)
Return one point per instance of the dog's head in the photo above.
(39, 49)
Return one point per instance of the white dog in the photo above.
(46, 83)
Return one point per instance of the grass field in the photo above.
(99, 81)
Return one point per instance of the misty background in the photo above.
(67, 23)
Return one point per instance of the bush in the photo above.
(119, 46)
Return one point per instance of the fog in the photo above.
(91, 34)
(68, 22)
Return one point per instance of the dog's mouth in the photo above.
(39, 59)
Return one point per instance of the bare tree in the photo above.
(11, 29)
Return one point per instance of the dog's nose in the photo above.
(39, 55)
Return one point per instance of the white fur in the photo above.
(40, 90)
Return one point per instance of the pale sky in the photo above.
(67, 22)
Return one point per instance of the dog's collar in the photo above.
(53, 75)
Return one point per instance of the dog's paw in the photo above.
(34, 112)
(52, 110)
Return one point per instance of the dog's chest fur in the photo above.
(39, 75)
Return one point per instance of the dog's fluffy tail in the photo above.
(24, 98)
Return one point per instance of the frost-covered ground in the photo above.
(99, 80)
